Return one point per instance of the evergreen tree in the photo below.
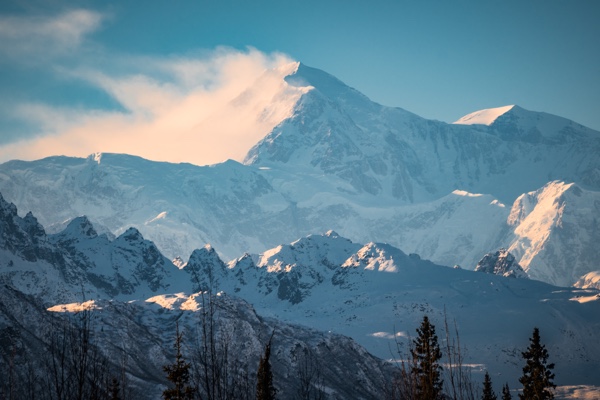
(426, 370)
(506, 392)
(488, 390)
(264, 377)
(537, 373)
(179, 375)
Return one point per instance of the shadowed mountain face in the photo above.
(337, 160)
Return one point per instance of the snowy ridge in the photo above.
(78, 263)
(483, 117)
(555, 232)
(591, 280)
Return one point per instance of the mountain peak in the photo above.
(80, 226)
(484, 117)
(326, 84)
(514, 123)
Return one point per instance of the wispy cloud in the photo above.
(201, 109)
(30, 38)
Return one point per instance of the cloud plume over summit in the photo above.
(177, 109)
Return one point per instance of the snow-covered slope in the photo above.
(556, 232)
(591, 280)
(238, 208)
(77, 264)
(368, 291)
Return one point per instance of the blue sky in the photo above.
(65, 65)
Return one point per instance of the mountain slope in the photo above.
(556, 232)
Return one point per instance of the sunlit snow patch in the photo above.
(589, 281)
(162, 215)
(483, 117)
(586, 299)
(465, 193)
(388, 335)
(176, 301)
(74, 307)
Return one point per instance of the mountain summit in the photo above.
(372, 150)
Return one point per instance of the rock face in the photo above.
(336, 160)
(501, 263)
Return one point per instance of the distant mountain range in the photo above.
(498, 178)
(137, 296)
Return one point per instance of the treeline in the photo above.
(208, 365)
(66, 362)
(62, 362)
(423, 376)
(215, 370)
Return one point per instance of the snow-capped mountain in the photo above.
(336, 160)
(389, 152)
(78, 264)
(136, 297)
(556, 232)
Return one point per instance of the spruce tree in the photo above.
(426, 370)
(488, 390)
(264, 377)
(506, 392)
(179, 375)
(537, 378)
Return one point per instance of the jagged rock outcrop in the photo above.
(501, 263)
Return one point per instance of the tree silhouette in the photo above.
(264, 377)
(537, 373)
(426, 370)
(488, 390)
(506, 392)
(179, 375)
